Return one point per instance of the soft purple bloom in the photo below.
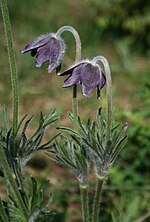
(87, 73)
(47, 48)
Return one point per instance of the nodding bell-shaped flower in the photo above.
(89, 74)
(47, 48)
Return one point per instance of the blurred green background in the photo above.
(119, 30)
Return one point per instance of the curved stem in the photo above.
(84, 202)
(108, 95)
(76, 37)
(97, 199)
(78, 58)
(12, 63)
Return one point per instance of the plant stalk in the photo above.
(84, 202)
(12, 64)
(97, 198)
(78, 58)
(109, 116)
(11, 180)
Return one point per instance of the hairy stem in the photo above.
(84, 202)
(78, 58)
(76, 37)
(109, 117)
(97, 198)
(11, 180)
(12, 63)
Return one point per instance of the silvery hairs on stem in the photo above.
(104, 140)
(51, 47)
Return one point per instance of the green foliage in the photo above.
(122, 19)
(38, 207)
(104, 152)
(130, 209)
(127, 24)
(72, 155)
(36, 201)
(18, 149)
(139, 135)
(92, 144)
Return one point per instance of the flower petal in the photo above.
(101, 85)
(38, 42)
(69, 70)
(42, 55)
(90, 77)
(47, 48)
(56, 54)
(74, 78)
(86, 91)
(52, 52)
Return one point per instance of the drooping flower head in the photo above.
(88, 73)
(47, 48)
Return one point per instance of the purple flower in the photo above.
(47, 48)
(89, 74)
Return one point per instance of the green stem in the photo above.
(97, 198)
(78, 58)
(109, 119)
(3, 212)
(84, 202)
(12, 63)
(11, 180)
(75, 106)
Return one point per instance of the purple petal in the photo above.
(90, 78)
(56, 54)
(74, 78)
(42, 54)
(51, 52)
(51, 67)
(86, 91)
(38, 42)
(101, 85)
(66, 72)
(69, 71)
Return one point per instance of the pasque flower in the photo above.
(47, 48)
(88, 73)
